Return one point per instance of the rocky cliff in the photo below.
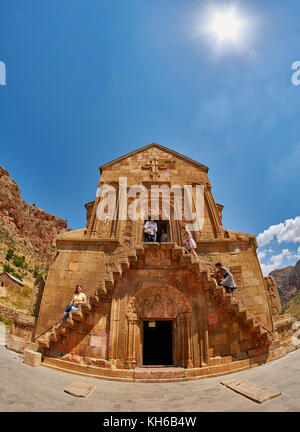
(288, 282)
(25, 228)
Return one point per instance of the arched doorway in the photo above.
(164, 320)
(158, 343)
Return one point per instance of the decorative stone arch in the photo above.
(159, 303)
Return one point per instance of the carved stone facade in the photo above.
(274, 299)
(131, 285)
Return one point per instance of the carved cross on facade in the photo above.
(154, 166)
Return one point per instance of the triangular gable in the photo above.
(165, 149)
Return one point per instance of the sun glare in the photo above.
(226, 26)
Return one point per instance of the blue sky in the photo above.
(88, 81)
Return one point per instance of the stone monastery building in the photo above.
(154, 312)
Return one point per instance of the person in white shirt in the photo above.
(150, 230)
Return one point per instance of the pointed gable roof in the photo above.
(160, 147)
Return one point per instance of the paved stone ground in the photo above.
(24, 388)
(2, 334)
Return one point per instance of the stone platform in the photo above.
(161, 374)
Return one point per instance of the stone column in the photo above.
(182, 340)
(186, 340)
(205, 328)
(188, 325)
(130, 361)
(114, 331)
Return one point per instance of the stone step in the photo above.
(132, 257)
(117, 273)
(233, 306)
(86, 307)
(186, 259)
(44, 342)
(62, 329)
(230, 307)
(109, 283)
(101, 292)
(196, 267)
(167, 245)
(101, 288)
(94, 299)
(77, 315)
(178, 248)
(158, 373)
(68, 322)
(124, 263)
(178, 252)
(109, 278)
(244, 313)
(53, 336)
(141, 249)
(262, 331)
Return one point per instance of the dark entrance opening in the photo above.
(163, 231)
(158, 346)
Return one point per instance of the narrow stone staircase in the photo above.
(128, 261)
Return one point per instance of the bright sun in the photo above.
(226, 25)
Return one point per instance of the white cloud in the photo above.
(285, 232)
(288, 231)
(261, 254)
(276, 261)
(267, 268)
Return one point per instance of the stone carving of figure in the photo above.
(145, 308)
(171, 308)
(131, 306)
(157, 309)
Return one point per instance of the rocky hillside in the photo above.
(288, 282)
(293, 306)
(24, 228)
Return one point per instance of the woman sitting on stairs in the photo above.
(78, 298)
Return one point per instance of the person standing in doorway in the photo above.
(164, 236)
(150, 230)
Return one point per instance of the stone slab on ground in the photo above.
(17, 344)
(158, 372)
(251, 391)
(32, 358)
(79, 389)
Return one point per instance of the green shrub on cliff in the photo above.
(9, 254)
(7, 268)
(19, 261)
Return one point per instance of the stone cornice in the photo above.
(88, 241)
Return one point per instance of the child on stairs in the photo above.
(189, 243)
